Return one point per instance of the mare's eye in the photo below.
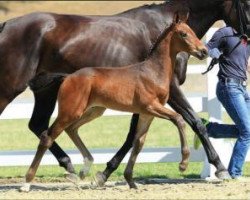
(183, 35)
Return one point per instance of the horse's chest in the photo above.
(163, 95)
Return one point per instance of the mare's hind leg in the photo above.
(45, 101)
(3, 103)
(160, 111)
(141, 132)
(72, 131)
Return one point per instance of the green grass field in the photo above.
(104, 132)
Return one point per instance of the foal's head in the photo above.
(184, 39)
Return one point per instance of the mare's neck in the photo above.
(164, 57)
(159, 16)
(200, 22)
(155, 18)
(203, 14)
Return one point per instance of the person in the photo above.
(232, 53)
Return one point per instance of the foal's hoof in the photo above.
(100, 179)
(223, 175)
(71, 177)
(25, 187)
(182, 166)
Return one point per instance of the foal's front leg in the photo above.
(142, 129)
(157, 110)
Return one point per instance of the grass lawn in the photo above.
(141, 170)
(104, 132)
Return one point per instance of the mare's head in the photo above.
(235, 13)
(184, 38)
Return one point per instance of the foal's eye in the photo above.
(183, 35)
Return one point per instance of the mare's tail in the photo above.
(44, 81)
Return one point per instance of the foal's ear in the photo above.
(183, 16)
(180, 16)
(176, 18)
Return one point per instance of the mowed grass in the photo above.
(104, 132)
(141, 170)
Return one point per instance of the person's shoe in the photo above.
(197, 142)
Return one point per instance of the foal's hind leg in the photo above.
(142, 129)
(160, 111)
(46, 140)
(72, 131)
(45, 102)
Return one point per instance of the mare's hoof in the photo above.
(223, 175)
(25, 187)
(67, 165)
(100, 179)
(82, 174)
(71, 177)
(132, 185)
(182, 167)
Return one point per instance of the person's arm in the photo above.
(216, 40)
(215, 44)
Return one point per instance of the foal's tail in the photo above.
(44, 81)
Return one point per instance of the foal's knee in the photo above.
(180, 121)
(45, 140)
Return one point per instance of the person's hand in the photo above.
(214, 53)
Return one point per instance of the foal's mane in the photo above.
(161, 36)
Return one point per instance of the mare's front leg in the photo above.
(45, 101)
(180, 104)
(141, 132)
(72, 131)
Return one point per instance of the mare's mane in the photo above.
(177, 4)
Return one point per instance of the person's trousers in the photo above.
(236, 101)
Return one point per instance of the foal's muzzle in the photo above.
(202, 53)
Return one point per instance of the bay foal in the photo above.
(141, 88)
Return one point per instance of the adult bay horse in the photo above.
(141, 88)
(46, 42)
